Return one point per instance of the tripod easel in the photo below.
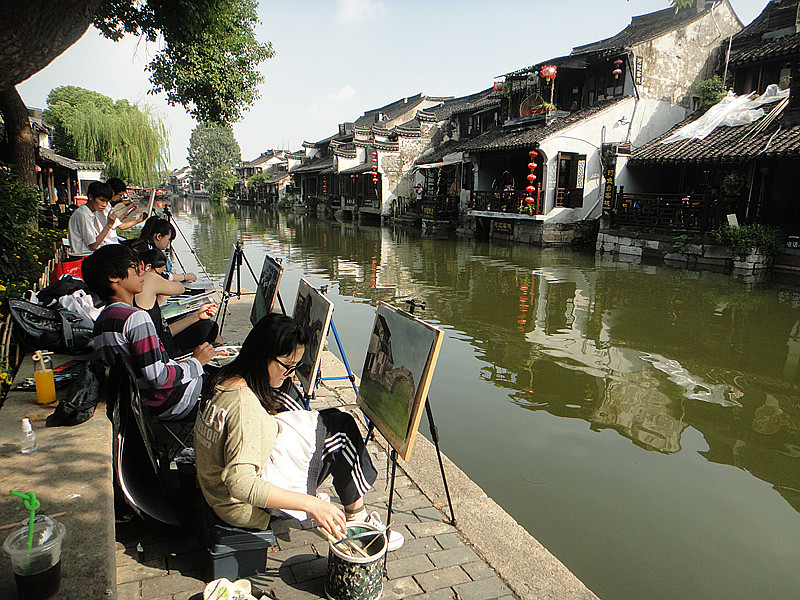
(307, 397)
(235, 268)
(412, 304)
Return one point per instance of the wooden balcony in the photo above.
(504, 202)
(665, 213)
(442, 207)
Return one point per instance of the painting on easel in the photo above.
(267, 289)
(397, 372)
(312, 312)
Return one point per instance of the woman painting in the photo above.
(258, 451)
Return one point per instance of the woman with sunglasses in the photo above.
(185, 334)
(256, 449)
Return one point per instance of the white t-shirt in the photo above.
(84, 227)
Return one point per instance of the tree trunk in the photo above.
(20, 135)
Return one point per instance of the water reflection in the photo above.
(652, 354)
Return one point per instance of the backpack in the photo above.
(58, 330)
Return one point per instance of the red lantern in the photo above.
(618, 71)
(549, 72)
(497, 86)
(530, 189)
(50, 170)
(532, 166)
(374, 180)
(374, 154)
(533, 154)
(529, 200)
(38, 168)
(531, 177)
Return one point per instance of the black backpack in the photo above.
(58, 330)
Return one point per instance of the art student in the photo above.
(170, 389)
(159, 233)
(92, 225)
(185, 334)
(258, 451)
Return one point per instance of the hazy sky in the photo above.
(336, 59)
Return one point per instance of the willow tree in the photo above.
(207, 57)
(130, 139)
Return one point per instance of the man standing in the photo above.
(169, 388)
(86, 233)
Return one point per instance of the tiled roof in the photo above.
(358, 169)
(390, 111)
(775, 16)
(68, 163)
(409, 128)
(724, 144)
(474, 102)
(315, 164)
(768, 50)
(437, 154)
(507, 138)
(642, 28)
(300, 154)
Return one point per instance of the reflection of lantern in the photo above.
(549, 72)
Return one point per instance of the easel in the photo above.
(323, 289)
(237, 258)
(172, 221)
(412, 304)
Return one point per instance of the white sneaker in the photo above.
(396, 539)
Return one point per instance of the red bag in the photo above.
(71, 267)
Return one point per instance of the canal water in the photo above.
(640, 421)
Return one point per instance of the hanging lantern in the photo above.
(530, 189)
(38, 168)
(533, 154)
(374, 154)
(532, 165)
(618, 71)
(549, 72)
(497, 86)
(531, 177)
(50, 170)
(529, 200)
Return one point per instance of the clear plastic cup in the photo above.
(37, 570)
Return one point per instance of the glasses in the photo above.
(289, 369)
(138, 267)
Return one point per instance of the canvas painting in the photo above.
(267, 289)
(226, 283)
(312, 312)
(178, 306)
(397, 372)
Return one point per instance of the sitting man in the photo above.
(88, 227)
(119, 193)
(170, 389)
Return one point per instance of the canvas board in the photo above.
(397, 373)
(267, 289)
(312, 312)
(183, 305)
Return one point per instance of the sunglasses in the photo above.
(289, 369)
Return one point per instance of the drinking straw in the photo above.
(31, 503)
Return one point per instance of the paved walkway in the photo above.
(487, 555)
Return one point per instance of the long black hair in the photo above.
(155, 225)
(274, 335)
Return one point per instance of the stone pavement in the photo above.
(486, 555)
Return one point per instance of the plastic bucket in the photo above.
(37, 570)
(357, 577)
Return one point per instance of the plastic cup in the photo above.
(37, 570)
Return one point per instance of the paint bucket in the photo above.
(357, 577)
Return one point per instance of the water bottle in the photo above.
(28, 438)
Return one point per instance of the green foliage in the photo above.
(743, 239)
(680, 242)
(258, 179)
(711, 90)
(681, 4)
(131, 140)
(288, 201)
(212, 147)
(209, 54)
(220, 184)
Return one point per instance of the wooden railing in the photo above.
(504, 202)
(664, 213)
(440, 207)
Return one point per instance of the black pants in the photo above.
(204, 330)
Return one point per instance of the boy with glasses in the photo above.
(170, 389)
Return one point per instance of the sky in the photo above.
(336, 59)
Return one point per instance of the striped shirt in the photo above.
(170, 389)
